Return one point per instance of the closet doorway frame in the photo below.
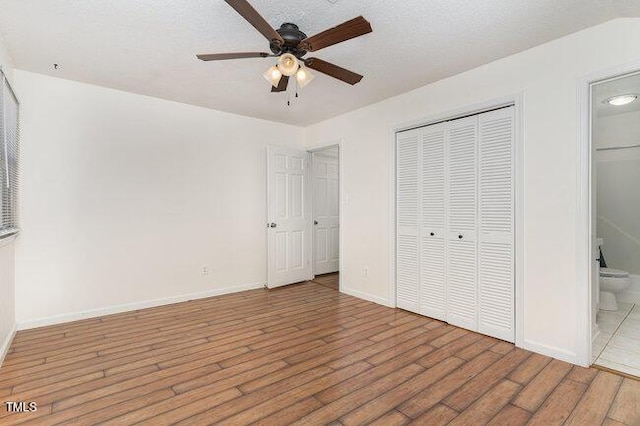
(517, 101)
(584, 252)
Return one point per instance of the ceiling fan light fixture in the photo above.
(621, 100)
(288, 64)
(303, 77)
(273, 76)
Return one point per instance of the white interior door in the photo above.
(326, 205)
(289, 217)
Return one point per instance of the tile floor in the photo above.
(618, 345)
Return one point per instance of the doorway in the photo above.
(615, 223)
(325, 182)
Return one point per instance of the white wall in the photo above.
(617, 130)
(125, 198)
(548, 77)
(617, 194)
(7, 298)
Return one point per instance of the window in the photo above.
(9, 159)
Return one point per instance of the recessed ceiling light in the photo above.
(621, 100)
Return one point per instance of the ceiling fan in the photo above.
(290, 45)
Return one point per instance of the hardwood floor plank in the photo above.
(47, 396)
(370, 376)
(291, 413)
(396, 396)
(536, 391)
(183, 401)
(611, 422)
(453, 346)
(109, 412)
(268, 400)
(510, 415)
(392, 418)
(439, 415)
(476, 387)
(341, 406)
(157, 380)
(436, 393)
(626, 405)
(596, 401)
(488, 405)
(581, 374)
(559, 405)
(529, 369)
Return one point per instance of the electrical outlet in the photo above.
(365, 272)
(204, 270)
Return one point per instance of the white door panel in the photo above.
(496, 274)
(462, 296)
(289, 221)
(407, 215)
(326, 213)
(433, 220)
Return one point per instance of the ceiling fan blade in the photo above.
(239, 55)
(254, 18)
(333, 70)
(345, 31)
(282, 85)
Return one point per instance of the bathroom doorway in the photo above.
(615, 223)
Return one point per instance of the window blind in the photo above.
(9, 158)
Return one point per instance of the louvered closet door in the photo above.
(496, 236)
(433, 230)
(462, 271)
(407, 202)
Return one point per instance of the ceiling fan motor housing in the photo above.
(292, 37)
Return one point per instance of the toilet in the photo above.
(612, 281)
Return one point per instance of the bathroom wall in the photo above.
(618, 195)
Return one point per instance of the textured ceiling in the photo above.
(149, 46)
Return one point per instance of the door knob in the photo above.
(315, 222)
(273, 225)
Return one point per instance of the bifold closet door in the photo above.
(496, 223)
(455, 222)
(462, 270)
(433, 219)
(407, 204)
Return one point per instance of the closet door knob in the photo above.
(432, 234)
(460, 236)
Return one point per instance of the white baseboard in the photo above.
(558, 353)
(7, 343)
(75, 316)
(367, 296)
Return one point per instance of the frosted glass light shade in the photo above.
(303, 77)
(621, 100)
(273, 76)
(288, 64)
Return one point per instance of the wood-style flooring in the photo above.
(328, 280)
(302, 354)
